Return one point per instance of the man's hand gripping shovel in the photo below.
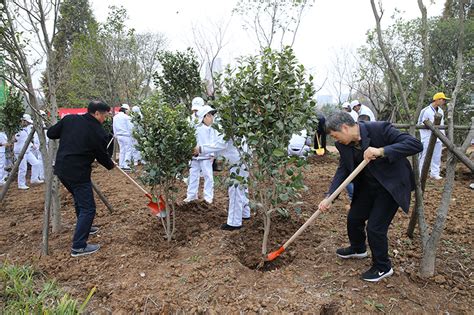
(273, 255)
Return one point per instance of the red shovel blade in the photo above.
(156, 208)
(275, 254)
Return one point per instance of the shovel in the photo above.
(157, 208)
(275, 254)
(319, 150)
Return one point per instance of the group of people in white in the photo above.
(210, 145)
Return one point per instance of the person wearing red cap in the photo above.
(429, 112)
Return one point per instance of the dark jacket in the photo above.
(393, 171)
(82, 140)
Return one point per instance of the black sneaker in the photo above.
(227, 227)
(374, 274)
(89, 249)
(94, 230)
(348, 252)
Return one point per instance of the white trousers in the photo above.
(435, 160)
(301, 152)
(28, 158)
(198, 166)
(37, 171)
(136, 155)
(3, 162)
(125, 150)
(238, 201)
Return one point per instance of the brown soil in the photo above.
(206, 270)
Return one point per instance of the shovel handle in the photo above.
(330, 199)
(131, 179)
(317, 139)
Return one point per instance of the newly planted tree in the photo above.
(166, 141)
(262, 103)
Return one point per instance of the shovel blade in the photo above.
(275, 254)
(156, 207)
(320, 151)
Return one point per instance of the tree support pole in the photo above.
(450, 146)
(102, 197)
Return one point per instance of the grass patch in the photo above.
(24, 291)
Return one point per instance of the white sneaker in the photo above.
(23, 187)
(2, 183)
(37, 181)
(437, 177)
(209, 201)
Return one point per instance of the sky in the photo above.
(328, 27)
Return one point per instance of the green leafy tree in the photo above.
(179, 80)
(261, 104)
(166, 141)
(11, 113)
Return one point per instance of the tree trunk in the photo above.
(423, 177)
(266, 232)
(56, 206)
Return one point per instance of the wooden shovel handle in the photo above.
(131, 179)
(330, 199)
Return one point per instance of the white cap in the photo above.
(346, 105)
(203, 111)
(125, 106)
(354, 103)
(197, 103)
(27, 118)
(42, 112)
(135, 109)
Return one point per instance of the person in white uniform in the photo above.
(136, 155)
(429, 113)
(122, 126)
(361, 109)
(196, 104)
(238, 200)
(299, 144)
(37, 171)
(346, 106)
(3, 158)
(20, 139)
(209, 142)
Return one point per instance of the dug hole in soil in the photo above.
(207, 270)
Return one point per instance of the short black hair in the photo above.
(335, 121)
(97, 106)
(122, 109)
(363, 117)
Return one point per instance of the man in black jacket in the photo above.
(379, 189)
(83, 140)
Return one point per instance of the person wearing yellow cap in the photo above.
(429, 112)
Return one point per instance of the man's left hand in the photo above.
(372, 153)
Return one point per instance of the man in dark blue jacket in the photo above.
(379, 189)
(82, 140)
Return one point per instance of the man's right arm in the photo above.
(101, 154)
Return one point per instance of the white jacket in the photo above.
(364, 110)
(20, 138)
(122, 124)
(210, 141)
(3, 141)
(299, 140)
(429, 113)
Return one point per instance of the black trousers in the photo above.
(85, 210)
(374, 204)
